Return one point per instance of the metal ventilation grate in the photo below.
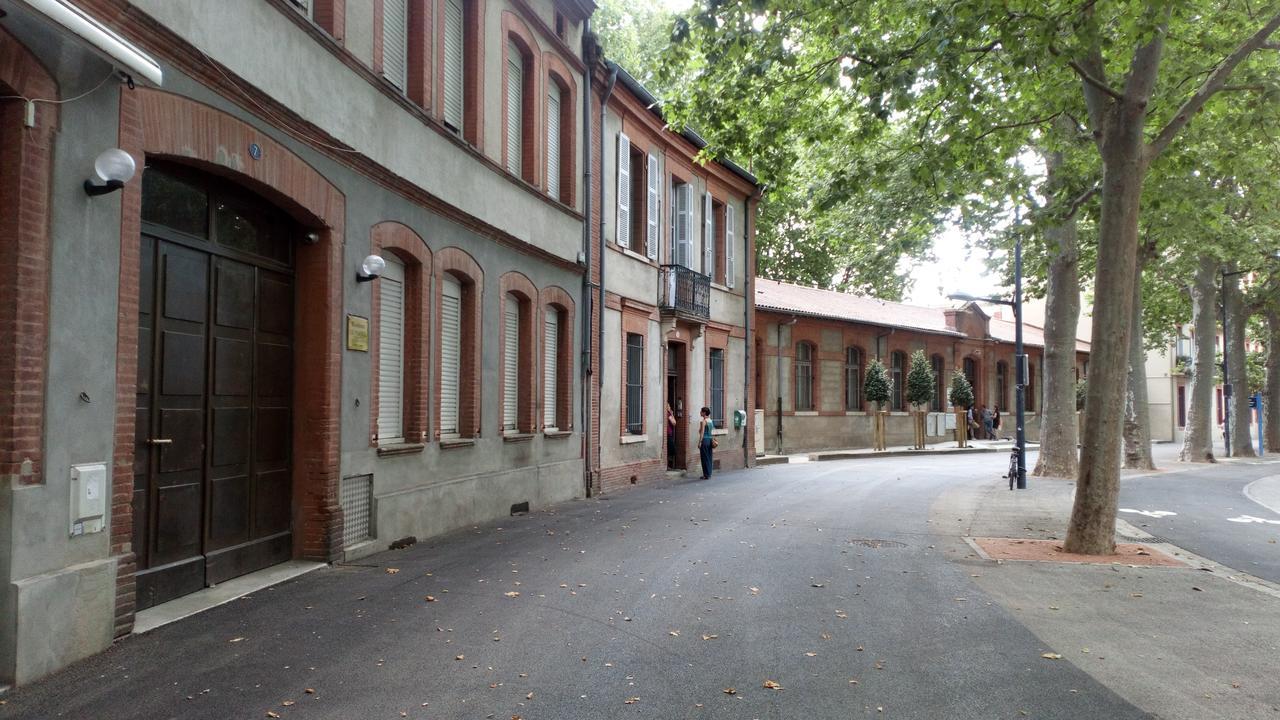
(357, 504)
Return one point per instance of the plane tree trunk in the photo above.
(1237, 316)
(1197, 438)
(1137, 420)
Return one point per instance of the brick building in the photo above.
(200, 380)
(676, 240)
(812, 348)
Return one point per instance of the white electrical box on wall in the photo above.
(88, 498)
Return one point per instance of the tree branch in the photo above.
(1011, 126)
(1212, 85)
(1095, 82)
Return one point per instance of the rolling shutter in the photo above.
(395, 41)
(391, 352)
(708, 237)
(515, 100)
(550, 369)
(655, 214)
(624, 191)
(553, 140)
(453, 64)
(450, 354)
(730, 244)
(511, 363)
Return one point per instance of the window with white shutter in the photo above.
(654, 215)
(453, 64)
(682, 223)
(515, 103)
(395, 41)
(730, 244)
(511, 363)
(550, 370)
(450, 354)
(708, 237)
(553, 139)
(391, 297)
(623, 229)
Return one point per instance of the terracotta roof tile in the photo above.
(773, 295)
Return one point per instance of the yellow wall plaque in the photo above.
(358, 333)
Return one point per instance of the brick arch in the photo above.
(458, 263)
(558, 72)
(154, 123)
(26, 165)
(409, 247)
(518, 284)
(558, 298)
(515, 29)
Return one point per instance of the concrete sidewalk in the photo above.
(1195, 642)
(941, 448)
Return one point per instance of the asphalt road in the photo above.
(678, 601)
(1206, 499)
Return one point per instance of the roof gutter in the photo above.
(103, 40)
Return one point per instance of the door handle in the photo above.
(160, 441)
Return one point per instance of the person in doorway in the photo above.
(705, 442)
(988, 427)
(971, 422)
(671, 438)
(995, 423)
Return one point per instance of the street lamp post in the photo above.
(1019, 358)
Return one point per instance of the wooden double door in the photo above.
(212, 474)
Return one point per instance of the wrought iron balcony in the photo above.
(684, 292)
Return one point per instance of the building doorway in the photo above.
(212, 495)
(677, 398)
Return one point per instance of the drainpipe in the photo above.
(585, 304)
(749, 284)
(788, 323)
(604, 104)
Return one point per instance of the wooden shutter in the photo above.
(623, 230)
(515, 100)
(395, 41)
(730, 243)
(450, 354)
(684, 224)
(391, 352)
(708, 237)
(550, 369)
(553, 139)
(453, 64)
(653, 231)
(511, 363)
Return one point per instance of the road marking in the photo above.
(1252, 519)
(1265, 492)
(1149, 513)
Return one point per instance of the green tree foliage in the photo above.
(634, 34)
(920, 380)
(961, 393)
(876, 386)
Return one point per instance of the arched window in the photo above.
(458, 279)
(519, 94)
(557, 360)
(939, 384)
(804, 376)
(852, 379)
(517, 338)
(897, 371)
(560, 138)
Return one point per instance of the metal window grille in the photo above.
(899, 362)
(717, 387)
(804, 377)
(635, 384)
(357, 507)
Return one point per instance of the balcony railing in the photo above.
(685, 291)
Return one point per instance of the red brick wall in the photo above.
(25, 167)
(159, 124)
(412, 250)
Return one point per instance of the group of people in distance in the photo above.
(984, 422)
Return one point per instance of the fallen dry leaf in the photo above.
(1051, 656)
(811, 654)
(632, 700)
(710, 637)
(529, 696)
(730, 691)
(392, 571)
(460, 657)
(272, 714)
(755, 591)
(310, 691)
(673, 633)
(287, 703)
(512, 594)
(772, 685)
(236, 639)
(431, 598)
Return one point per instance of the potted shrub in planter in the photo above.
(961, 397)
(876, 390)
(920, 384)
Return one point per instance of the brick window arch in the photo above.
(455, 267)
(521, 68)
(559, 112)
(400, 241)
(518, 357)
(559, 415)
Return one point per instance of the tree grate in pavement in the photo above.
(873, 543)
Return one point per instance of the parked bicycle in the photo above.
(1012, 474)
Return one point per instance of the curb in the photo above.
(837, 455)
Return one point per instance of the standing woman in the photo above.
(705, 442)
